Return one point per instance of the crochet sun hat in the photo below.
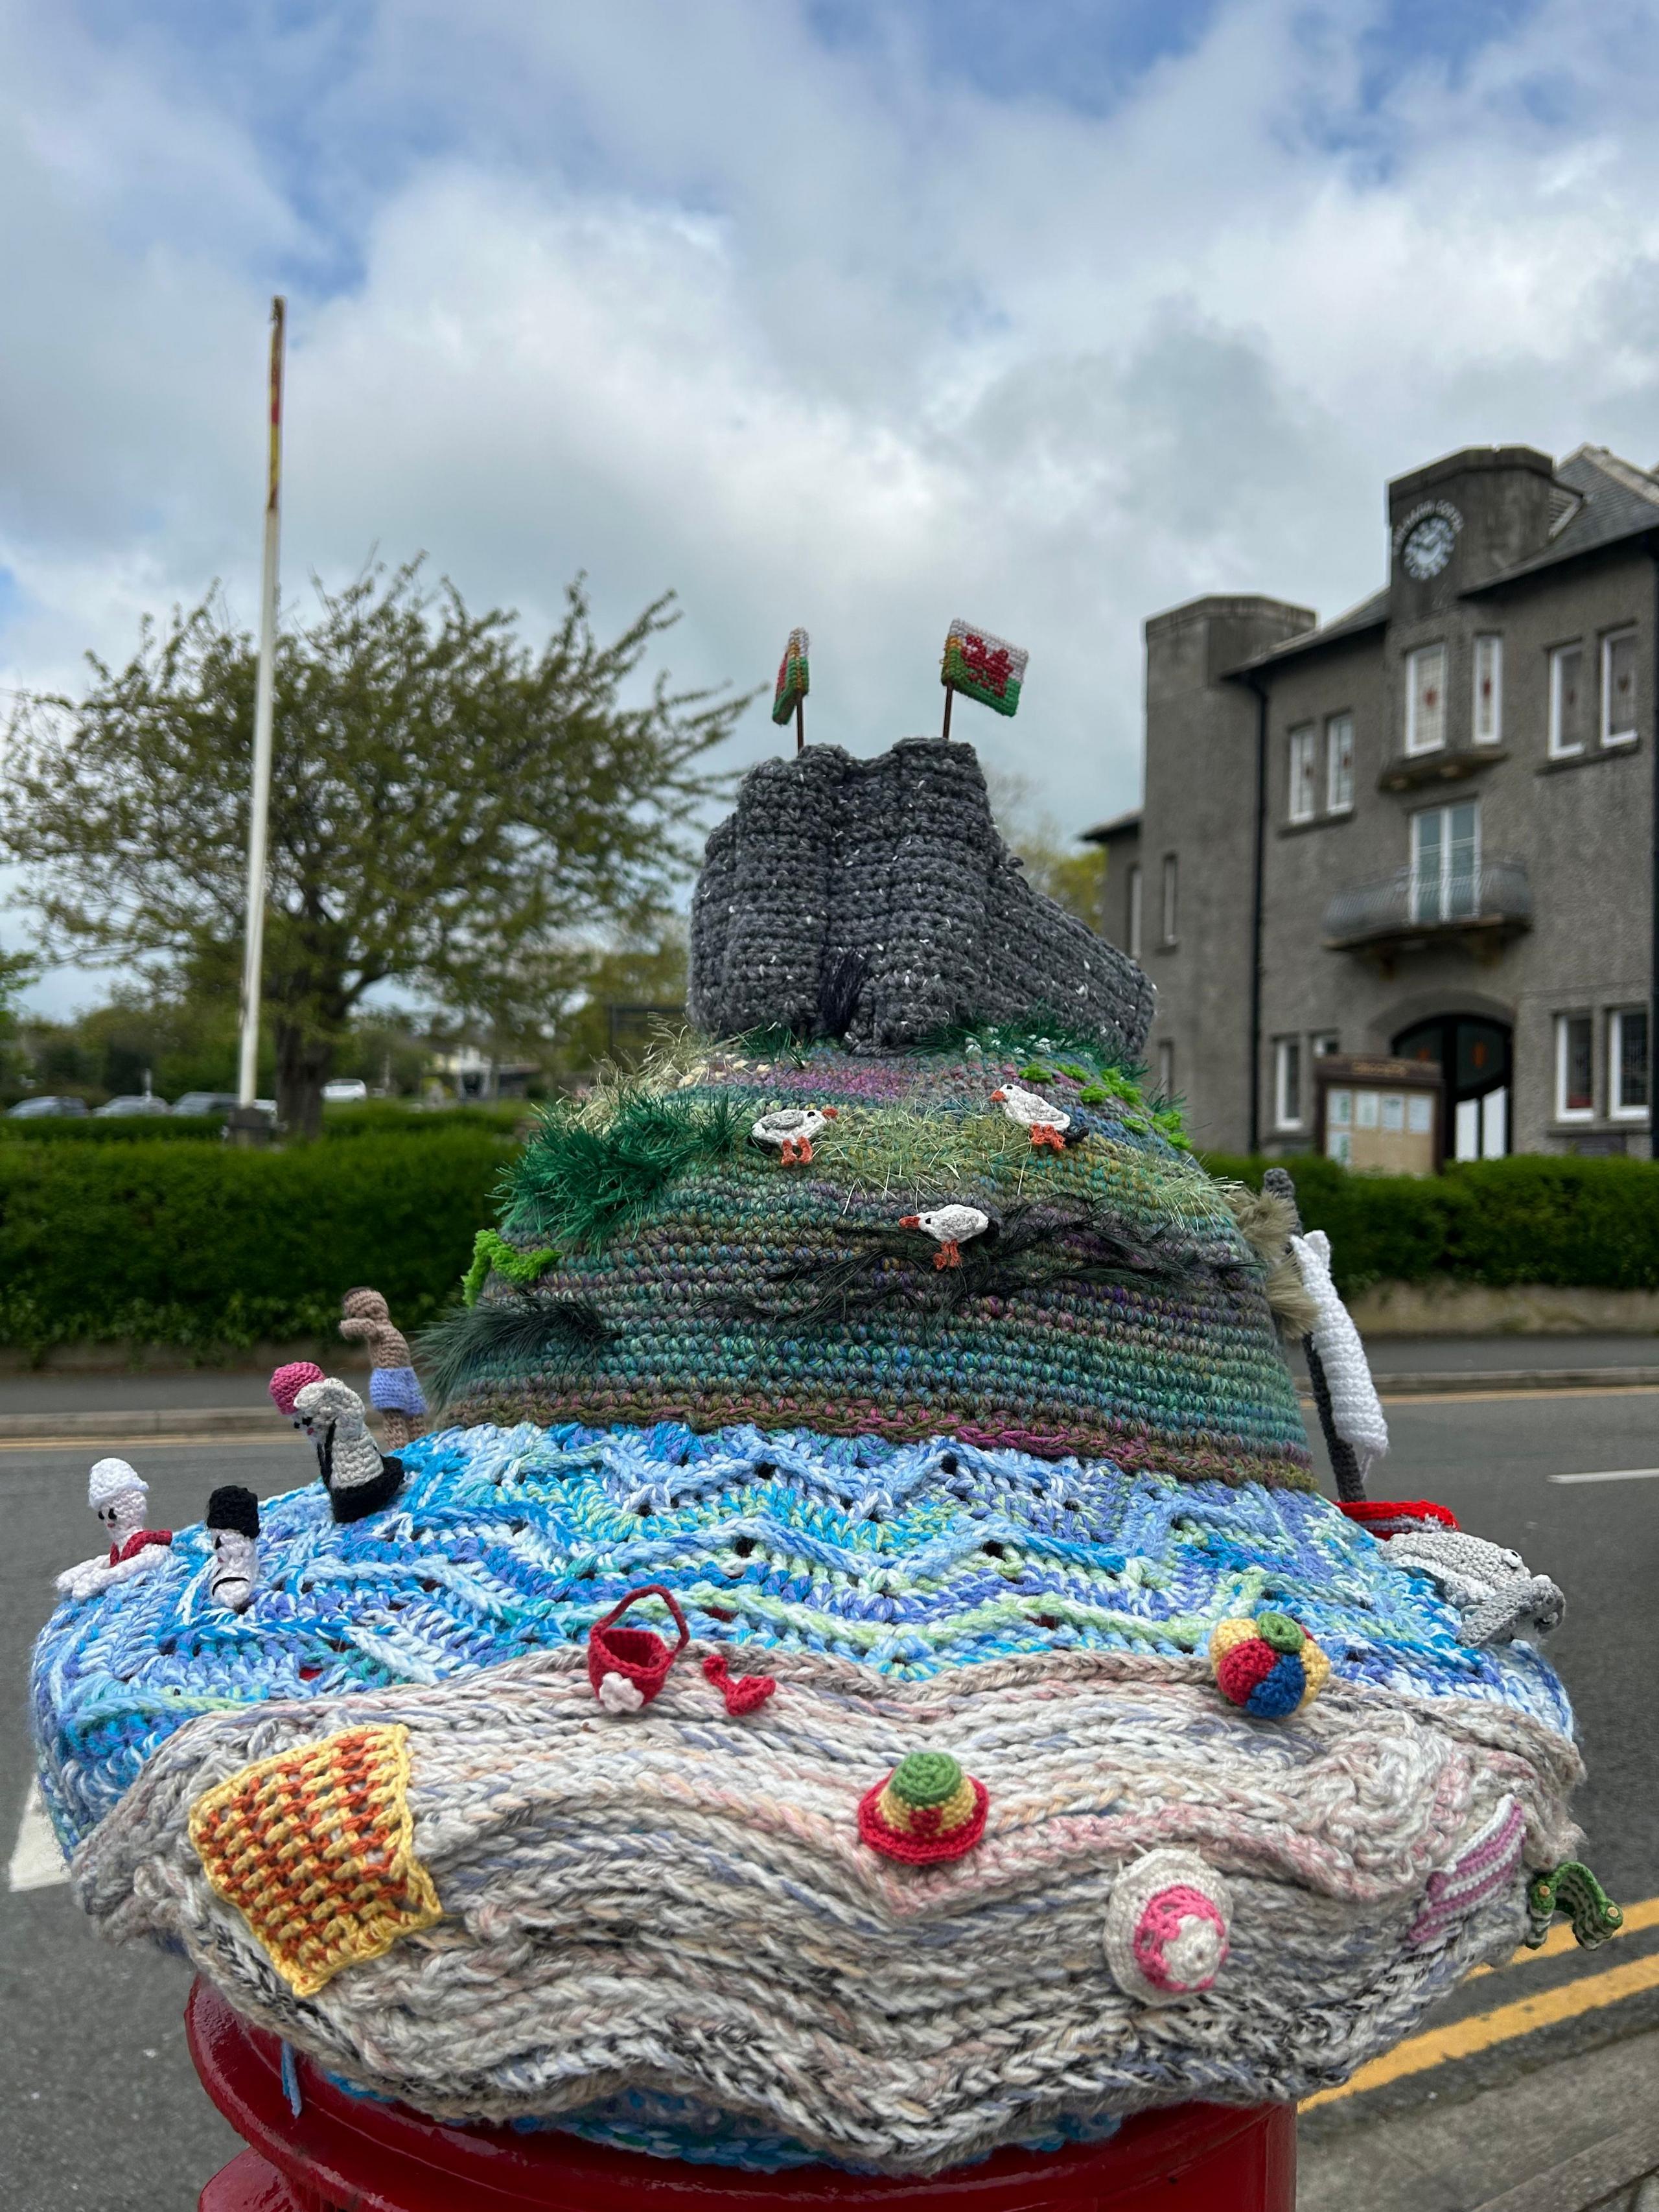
(861, 1668)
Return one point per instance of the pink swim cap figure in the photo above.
(287, 1383)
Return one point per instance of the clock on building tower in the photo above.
(1428, 546)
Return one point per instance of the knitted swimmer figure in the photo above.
(233, 1521)
(285, 1386)
(394, 1388)
(118, 1494)
(358, 1478)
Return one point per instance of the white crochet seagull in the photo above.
(792, 1129)
(950, 1227)
(1046, 1122)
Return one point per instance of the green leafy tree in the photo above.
(644, 983)
(17, 972)
(451, 807)
(1077, 880)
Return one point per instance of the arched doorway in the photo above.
(1473, 1054)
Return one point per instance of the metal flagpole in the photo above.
(259, 811)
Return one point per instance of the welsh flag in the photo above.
(795, 680)
(983, 667)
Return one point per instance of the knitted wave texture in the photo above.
(907, 1560)
(1113, 1308)
(675, 1902)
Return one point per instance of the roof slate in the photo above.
(1603, 500)
(1619, 500)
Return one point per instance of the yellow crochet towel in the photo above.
(315, 1849)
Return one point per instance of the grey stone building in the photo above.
(1423, 829)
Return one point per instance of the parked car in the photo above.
(31, 1109)
(205, 1102)
(149, 1104)
(344, 1090)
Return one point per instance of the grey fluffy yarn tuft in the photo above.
(896, 862)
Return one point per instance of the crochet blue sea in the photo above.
(905, 1559)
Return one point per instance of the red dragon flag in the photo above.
(981, 667)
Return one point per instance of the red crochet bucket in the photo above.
(639, 1655)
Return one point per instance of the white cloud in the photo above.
(682, 296)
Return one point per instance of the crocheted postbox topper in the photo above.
(883, 1337)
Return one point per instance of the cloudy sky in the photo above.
(857, 313)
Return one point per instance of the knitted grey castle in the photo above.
(861, 1669)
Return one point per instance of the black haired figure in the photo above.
(233, 1521)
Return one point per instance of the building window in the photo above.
(1302, 774)
(1618, 688)
(1488, 718)
(1566, 701)
(1166, 1069)
(1627, 1064)
(1575, 1064)
(1287, 1083)
(1339, 764)
(1446, 862)
(1327, 1043)
(1134, 913)
(1170, 913)
(1425, 699)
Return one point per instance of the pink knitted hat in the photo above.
(287, 1383)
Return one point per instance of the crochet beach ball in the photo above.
(886, 1325)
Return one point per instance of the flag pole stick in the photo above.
(945, 732)
(800, 728)
(258, 833)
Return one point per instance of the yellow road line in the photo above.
(1464, 2037)
(1503, 1397)
(1489, 1397)
(128, 1444)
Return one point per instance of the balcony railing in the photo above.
(1428, 905)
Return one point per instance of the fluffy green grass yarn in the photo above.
(581, 1185)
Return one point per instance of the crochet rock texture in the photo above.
(897, 862)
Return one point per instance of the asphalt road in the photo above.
(99, 2106)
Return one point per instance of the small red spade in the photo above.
(743, 1694)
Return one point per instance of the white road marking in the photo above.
(1612, 1474)
(36, 1860)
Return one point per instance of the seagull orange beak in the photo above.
(910, 1221)
(830, 1113)
(999, 1097)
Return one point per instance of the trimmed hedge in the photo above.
(116, 1129)
(213, 1248)
(376, 1118)
(1532, 1219)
